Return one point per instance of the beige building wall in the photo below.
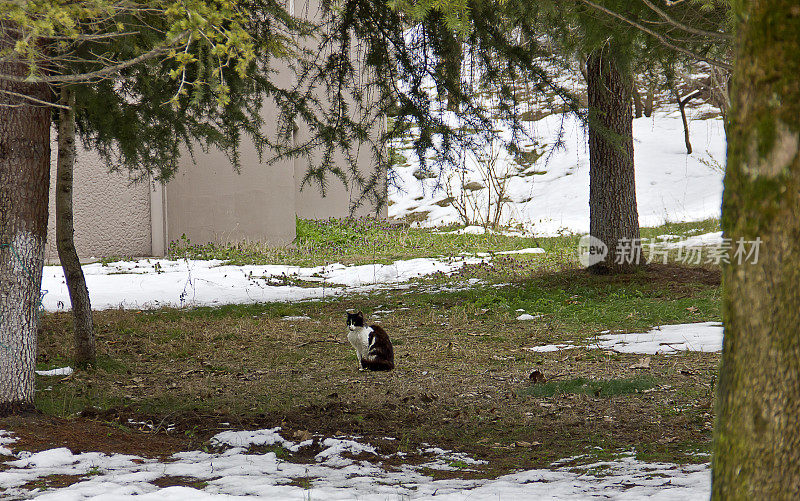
(210, 202)
(207, 200)
(111, 215)
(339, 197)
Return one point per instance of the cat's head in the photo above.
(355, 320)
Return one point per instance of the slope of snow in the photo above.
(552, 195)
(153, 283)
(701, 336)
(237, 475)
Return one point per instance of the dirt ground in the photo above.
(168, 380)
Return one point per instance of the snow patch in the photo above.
(706, 239)
(236, 474)
(245, 439)
(155, 283)
(5, 439)
(550, 197)
(702, 336)
(335, 448)
(63, 371)
(664, 339)
(529, 250)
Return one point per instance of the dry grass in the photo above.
(461, 370)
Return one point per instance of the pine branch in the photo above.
(101, 73)
(661, 38)
(688, 29)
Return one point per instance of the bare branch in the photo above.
(30, 98)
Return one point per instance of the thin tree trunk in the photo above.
(613, 217)
(637, 102)
(76, 283)
(24, 187)
(682, 106)
(453, 71)
(757, 431)
(650, 100)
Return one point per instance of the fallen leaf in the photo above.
(643, 363)
(537, 377)
(302, 435)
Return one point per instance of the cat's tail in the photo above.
(379, 365)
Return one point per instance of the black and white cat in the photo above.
(373, 347)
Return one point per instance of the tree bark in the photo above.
(757, 431)
(682, 107)
(76, 283)
(24, 187)
(637, 102)
(650, 100)
(613, 216)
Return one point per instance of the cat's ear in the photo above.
(360, 315)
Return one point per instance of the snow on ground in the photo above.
(154, 283)
(552, 194)
(63, 371)
(706, 239)
(665, 339)
(236, 474)
(5, 439)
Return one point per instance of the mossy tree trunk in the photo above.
(76, 282)
(757, 432)
(613, 216)
(24, 187)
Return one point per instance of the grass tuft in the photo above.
(598, 388)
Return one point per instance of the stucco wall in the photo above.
(112, 217)
(339, 198)
(210, 202)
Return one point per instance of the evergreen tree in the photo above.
(169, 72)
(756, 435)
(24, 182)
(512, 41)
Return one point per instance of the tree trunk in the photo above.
(76, 283)
(24, 187)
(650, 100)
(757, 432)
(637, 102)
(613, 217)
(682, 106)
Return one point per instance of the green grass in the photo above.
(683, 229)
(458, 347)
(576, 301)
(350, 241)
(366, 240)
(583, 386)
